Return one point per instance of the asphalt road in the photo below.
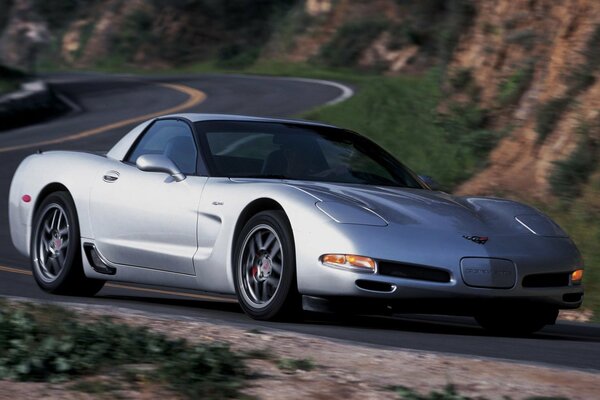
(110, 100)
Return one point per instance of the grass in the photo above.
(400, 113)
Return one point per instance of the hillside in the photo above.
(528, 65)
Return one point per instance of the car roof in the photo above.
(198, 117)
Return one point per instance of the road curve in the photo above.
(108, 108)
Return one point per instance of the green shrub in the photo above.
(434, 25)
(461, 79)
(236, 56)
(48, 343)
(450, 393)
(584, 75)
(207, 372)
(549, 114)
(288, 27)
(569, 175)
(511, 89)
(292, 364)
(459, 18)
(60, 13)
(136, 30)
(350, 41)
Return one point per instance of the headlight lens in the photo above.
(577, 276)
(349, 261)
(344, 213)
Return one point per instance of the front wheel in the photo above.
(517, 320)
(265, 267)
(56, 251)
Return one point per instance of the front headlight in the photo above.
(577, 276)
(349, 261)
(343, 213)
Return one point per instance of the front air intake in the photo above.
(411, 271)
(560, 279)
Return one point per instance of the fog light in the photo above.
(349, 261)
(577, 276)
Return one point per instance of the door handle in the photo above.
(110, 176)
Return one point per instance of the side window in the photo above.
(172, 138)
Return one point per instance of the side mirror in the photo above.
(159, 163)
(429, 181)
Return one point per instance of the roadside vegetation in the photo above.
(450, 393)
(47, 343)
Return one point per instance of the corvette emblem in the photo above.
(477, 239)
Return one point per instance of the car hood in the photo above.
(437, 210)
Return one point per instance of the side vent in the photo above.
(96, 261)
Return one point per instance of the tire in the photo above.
(265, 268)
(55, 250)
(518, 320)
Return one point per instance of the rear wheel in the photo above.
(265, 267)
(56, 251)
(518, 320)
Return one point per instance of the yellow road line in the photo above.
(195, 97)
(139, 289)
(15, 270)
(159, 291)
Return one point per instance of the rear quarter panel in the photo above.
(75, 171)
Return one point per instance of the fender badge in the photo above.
(477, 239)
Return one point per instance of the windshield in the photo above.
(247, 149)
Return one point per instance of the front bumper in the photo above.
(530, 254)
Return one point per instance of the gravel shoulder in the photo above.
(331, 369)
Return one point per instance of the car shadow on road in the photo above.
(465, 326)
(423, 324)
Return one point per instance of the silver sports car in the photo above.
(286, 215)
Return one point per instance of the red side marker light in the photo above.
(26, 198)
